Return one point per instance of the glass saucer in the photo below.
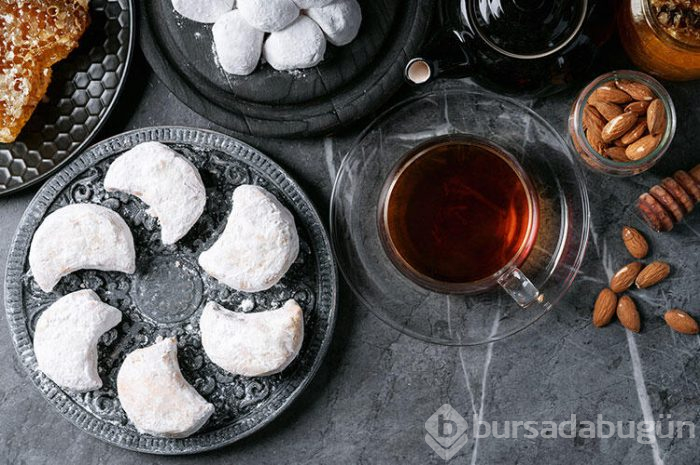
(459, 320)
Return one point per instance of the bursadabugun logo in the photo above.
(448, 431)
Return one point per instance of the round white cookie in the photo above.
(80, 236)
(339, 20)
(166, 181)
(268, 15)
(203, 11)
(155, 395)
(66, 337)
(258, 244)
(301, 45)
(238, 44)
(252, 344)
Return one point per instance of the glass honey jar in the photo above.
(662, 37)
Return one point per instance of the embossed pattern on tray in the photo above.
(168, 291)
(83, 90)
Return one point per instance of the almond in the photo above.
(681, 322)
(595, 140)
(635, 242)
(616, 153)
(656, 117)
(636, 90)
(642, 147)
(608, 110)
(625, 276)
(627, 313)
(609, 93)
(652, 274)
(637, 107)
(618, 126)
(635, 133)
(604, 308)
(592, 118)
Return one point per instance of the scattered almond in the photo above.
(636, 90)
(656, 117)
(652, 274)
(642, 147)
(625, 276)
(627, 313)
(681, 321)
(635, 242)
(604, 308)
(618, 126)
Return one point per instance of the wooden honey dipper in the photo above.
(668, 202)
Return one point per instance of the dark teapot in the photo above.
(534, 47)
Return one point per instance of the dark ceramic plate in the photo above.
(168, 291)
(351, 82)
(83, 91)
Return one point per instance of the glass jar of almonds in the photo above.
(622, 123)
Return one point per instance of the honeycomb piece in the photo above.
(35, 36)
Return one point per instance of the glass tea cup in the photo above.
(456, 319)
(459, 215)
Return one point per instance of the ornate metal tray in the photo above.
(83, 91)
(168, 291)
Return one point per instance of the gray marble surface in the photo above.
(376, 389)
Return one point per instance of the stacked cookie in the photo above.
(668, 202)
(288, 34)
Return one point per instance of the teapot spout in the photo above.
(446, 55)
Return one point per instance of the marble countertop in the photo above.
(376, 389)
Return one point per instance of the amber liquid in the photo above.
(458, 212)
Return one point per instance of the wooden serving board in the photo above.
(351, 82)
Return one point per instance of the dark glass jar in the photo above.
(535, 47)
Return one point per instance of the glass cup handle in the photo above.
(521, 289)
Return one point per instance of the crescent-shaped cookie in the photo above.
(252, 344)
(80, 236)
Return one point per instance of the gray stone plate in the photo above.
(83, 91)
(168, 291)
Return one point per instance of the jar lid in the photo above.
(526, 28)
